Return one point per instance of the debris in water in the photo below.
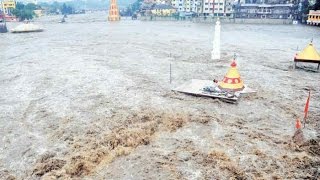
(298, 137)
(229, 89)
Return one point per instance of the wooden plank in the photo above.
(196, 84)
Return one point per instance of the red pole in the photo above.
(306, 109)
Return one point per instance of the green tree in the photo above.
(136, 5)
(316, 6)
(24, 12)
(305, 7)
(31, 6)
(65, 9)
(20, 6)
(54, 7)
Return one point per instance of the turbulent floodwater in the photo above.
(92, 99)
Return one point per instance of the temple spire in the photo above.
(113, 11)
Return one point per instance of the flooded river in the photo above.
(92, 99)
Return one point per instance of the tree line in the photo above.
(316, 6)
(26, 11)
(58, 8)
(132, 8)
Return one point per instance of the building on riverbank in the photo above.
(314, 17)
(264, 11)
(39, 12)
(163, 10)
(250, 9)
(204, 7)
(7, 6)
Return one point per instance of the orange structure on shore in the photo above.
(114, 11)
(232, 80)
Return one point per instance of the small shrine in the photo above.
(308, 55)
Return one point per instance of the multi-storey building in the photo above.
(163, 10)
(204, 7)
(196, 6)
(192, 5)
(207, 7)
(268, 11)
(179, 4)
(7, 6)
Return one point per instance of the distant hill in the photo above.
(125, 3)
(85, 4)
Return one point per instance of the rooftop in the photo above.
(163, 6)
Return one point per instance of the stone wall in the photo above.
(263, 21)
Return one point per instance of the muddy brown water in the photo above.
(92, 99)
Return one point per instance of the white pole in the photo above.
(216, 41)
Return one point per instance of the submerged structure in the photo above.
(298, 136)
(62, 20)
(114, 11)
(232, 81)
(3, 26)
(26, 28)
(228, 90)
(216, 41)
(308, 55)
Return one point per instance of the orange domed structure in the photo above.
(232, 80)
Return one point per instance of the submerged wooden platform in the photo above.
(195, 87)
(26, 31)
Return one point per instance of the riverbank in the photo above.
(91, 99)
(223, 20)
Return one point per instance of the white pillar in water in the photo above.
(216, 41)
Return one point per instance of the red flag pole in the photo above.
(306, 109)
